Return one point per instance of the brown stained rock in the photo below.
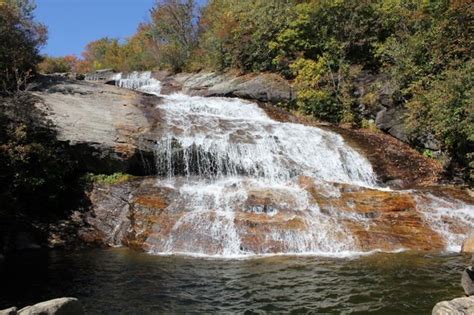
(152, 201)
(146, 213)
(137, 214)
(468, 244)
(387, 220)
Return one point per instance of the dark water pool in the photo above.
(120, 281)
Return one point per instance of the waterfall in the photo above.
(142, 81)
(238, 176)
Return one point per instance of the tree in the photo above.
(443, 107)
(103, 53)
(20, 40)
(137, 52)
(174, 32)
(236, 34)
(59, 64)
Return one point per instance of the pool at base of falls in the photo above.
(121, 281)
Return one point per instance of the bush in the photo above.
(58, 64)
(112, 179)
(443, 107)
(37, 173)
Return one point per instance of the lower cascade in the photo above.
(243, 184)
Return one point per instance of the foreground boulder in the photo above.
(60, 306)
(9, 311)
(467, 281)
(459, 306)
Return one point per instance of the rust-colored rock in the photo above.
(468, 244)
(386, 220)
(147, 216)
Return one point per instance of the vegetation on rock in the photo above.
(112, 179)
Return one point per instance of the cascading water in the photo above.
(238, 177)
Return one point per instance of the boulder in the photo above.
(60, 306)
(467, 281)
(459, 306)
(9, 311)
(468, 244)
(391, 121)
(264, 87)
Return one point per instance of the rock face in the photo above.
(61, 306)
(112, 129)
(459, 306)
(264, 87)
(100, 75)
(108, 126)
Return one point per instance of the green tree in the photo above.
(444, 107)
(174, 32)
(20, 40)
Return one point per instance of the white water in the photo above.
(219, 153)
(445, 215)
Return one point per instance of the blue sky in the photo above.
(74, 23)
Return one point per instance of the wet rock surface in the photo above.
(138, 214)
(116, 129)
(467, 281)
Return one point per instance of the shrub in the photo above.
(112, 179)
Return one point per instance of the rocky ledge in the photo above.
(137, 214)
(109, 129)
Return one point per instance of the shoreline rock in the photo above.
(467, 281)
(59, 306)
(458, 306)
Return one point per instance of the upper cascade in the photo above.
(142, 81)
(216, 137)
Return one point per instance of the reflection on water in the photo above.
(126, 282)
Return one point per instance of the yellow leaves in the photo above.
(20, 133)
(309, 72)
